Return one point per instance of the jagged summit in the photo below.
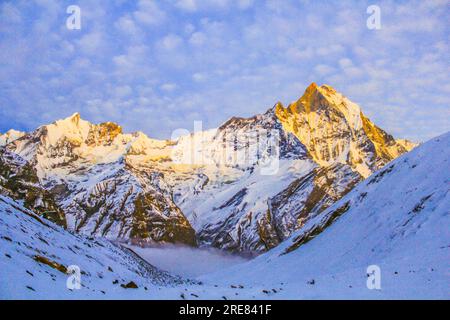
(317, 99)
(75, 124)
(326, 147)
(334, 129)
(73, 145)
(75, 117)
(10, 136)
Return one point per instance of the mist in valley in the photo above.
(187, 261)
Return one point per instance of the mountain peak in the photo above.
(333, 128)
(310, 91)
(323, 89)
(10, 136)
(76, 121)
(319, 99)
(312, 87)
(328, 88)
(75, 118)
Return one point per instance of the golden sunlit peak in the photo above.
(74, 118)
(312, 87)
(76, 115)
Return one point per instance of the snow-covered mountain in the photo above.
(334, 129)
(18, 180)
(326, 146)
(89, 170)
(10, 136)
(245, 186)
(398, 219)
(240, 208)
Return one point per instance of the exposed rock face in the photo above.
(310, 195)
(407, 194)
(226, 197)
(19, 181)
(334, 129)
(260, 216)
(408, 145)
(103, 134)
(245, 186)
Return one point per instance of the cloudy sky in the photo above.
(156, 66)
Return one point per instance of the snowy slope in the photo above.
(397, 219)
(35, 255)
(27, 241)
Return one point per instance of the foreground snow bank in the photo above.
(35, 255)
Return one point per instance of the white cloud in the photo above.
(187, 5)
(345, 63)
(149, 13)
(91, 43)
(331, 49)
(199, 77)
(168, 87)
(197, 39)
(123, 91)
(299, 53)
(243, 55)
(170, 42)
(9, 14)
(126, 24)
(189, 28)
(323, 69)
(245, 4)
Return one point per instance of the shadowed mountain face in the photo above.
(211, 187)
(19, 181)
